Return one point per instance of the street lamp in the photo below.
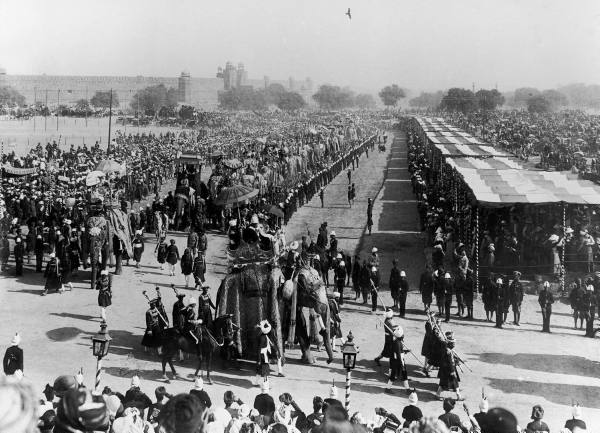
(100, 346)
(349, 352)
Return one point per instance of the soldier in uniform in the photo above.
(397, 363)
(575, 298)
(19, 252)
(333, 246)
(104, 287)
(488, 297)
(588, 308)
(448, 373)
(155, 325)
(52, 275)
(546, 300)
(448, 290)
(205, 304)
(468, 293)
(501, 297)
(394, 284)
(39, 253)
(340, 279)
(515, 293)
(138, 247)
(190, 327)
(336, 320)
(267, 348)
(179, 313)
(426, 284)
(388, 329)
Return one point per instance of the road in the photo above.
(517, 367)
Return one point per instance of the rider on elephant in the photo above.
(290, 262)
(322, 237)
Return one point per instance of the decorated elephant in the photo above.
(306, 291)
(249, 294)
(108, 232)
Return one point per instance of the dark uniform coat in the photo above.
(13, 360)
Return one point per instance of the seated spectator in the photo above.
(537, 425)
(199, 393)
(183, 413)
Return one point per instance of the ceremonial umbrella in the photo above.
(274, 210)
(93, 178)
(108, 165)
(231, 195)
(233, 164)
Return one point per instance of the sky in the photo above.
(417, 44)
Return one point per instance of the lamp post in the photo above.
(349, 352)
(100, 346)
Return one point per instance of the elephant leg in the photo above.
(118, 263)
(94, 274)
(303, 338)
(326, 330)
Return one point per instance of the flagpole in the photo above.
(109, 119)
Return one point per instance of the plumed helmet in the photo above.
(265, 326)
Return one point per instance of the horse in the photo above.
(220, 333)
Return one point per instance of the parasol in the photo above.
(233, 164)
(108, 165)
(274, 210)
(93, 178)
(230, 195)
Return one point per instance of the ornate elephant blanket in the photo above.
(120, 226)
(250, 295)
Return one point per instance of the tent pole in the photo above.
(477, 248)
(563, 270)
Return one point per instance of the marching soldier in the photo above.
(267, 348)
(394, 284)
(546, 300)
(52, 275)
(104, 287)
(448, 288)
(397, 363)
(516, 297)
(388, 329)
(448, 373)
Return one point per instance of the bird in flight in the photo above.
(349, 14)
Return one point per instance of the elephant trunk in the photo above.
(326, 333)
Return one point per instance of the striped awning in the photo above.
(16, 171)
(462, 150)
(506, 187)
(454, 139)
(498, 163)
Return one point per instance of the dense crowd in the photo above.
(69, 407)
(565, 140)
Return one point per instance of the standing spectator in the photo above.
(4, 252)
(575, 300)
(187, 265)
(19, 253)
(155, 408)
(356, 269)
(588, 308)
(546, 300)
(516, 297)
(13, 357)
(537, 425)
(199, 392)
(134, 397)
(576, 421)
(192, 242)
(411, 412)
(426, 284)
(315, 419)
(340, 279)
(172, 257)
(451, 419)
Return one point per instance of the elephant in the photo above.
(306, 290)
(250, 294)
(97, 230)
(108, 232)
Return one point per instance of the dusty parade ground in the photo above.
(517, 367)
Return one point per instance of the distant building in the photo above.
(267, 81)
(185, 88)
(233, 78)
(291, 84)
